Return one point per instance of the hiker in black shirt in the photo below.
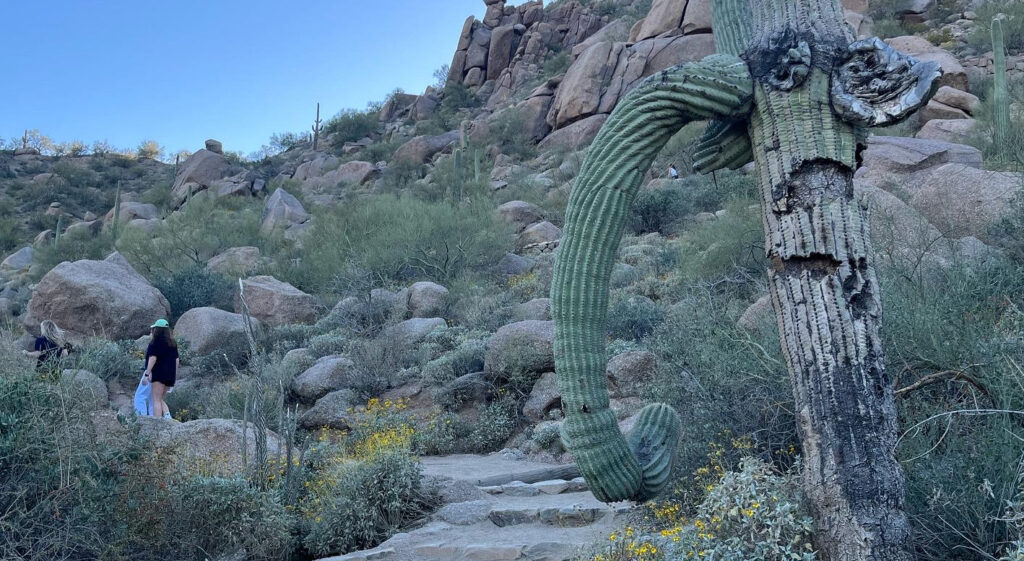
(50, 347)
(161, 365)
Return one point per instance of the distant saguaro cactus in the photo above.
(115, 226)
(791, 89)
(316, 128)
(1000, 97)
(56, 232)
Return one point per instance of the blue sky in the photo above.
(238, 71)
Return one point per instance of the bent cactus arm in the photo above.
(724, 145)
(636, 467)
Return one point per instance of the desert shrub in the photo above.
(1010, 230)
(456, 178)
(221, 516)
(73, 248)
(721, 378)
(753, 513)
(730, 246)
(467, 358)
(367, 502)
(962, 463)
(498, 422)
(351, 125)
(455, 98)
(632, 317)
(664, 206)
(980, 37)
(379, 151)
(11, 234)
(401, 239)
(195, 287)
(508, 130)
(400, 174)
(482, 306)
(37, 433)
(191, 236)
(556, 64)
(327, 344)
(441, 432)
(377, 364)
(109, 360)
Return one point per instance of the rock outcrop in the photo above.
(329, 374)
(282, 211)
(105, 299)
(214, 331)
(197, 173)
(521, 347)
(274, 302)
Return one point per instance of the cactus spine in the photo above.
(1000, 98)
(637, 466)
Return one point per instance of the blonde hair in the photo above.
(53, 333)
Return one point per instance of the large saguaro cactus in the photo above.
(791, 90)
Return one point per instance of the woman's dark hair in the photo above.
(163, 335)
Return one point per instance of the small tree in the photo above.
(150, 149)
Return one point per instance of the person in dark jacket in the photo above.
(51, 346)
(161, 365)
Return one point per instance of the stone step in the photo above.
(565, 510)
(548, 487)
(487, 471)
(485, 542)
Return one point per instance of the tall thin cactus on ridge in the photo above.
(1000, 97)
(792, 90)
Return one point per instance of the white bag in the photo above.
(144, 397)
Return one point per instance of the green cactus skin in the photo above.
(1000, 99)
(56, 233)
(724, 145)
(638, 466)
(457, 163)
(115, 226)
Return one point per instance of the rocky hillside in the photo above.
(396, 277)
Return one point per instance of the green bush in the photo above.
(980, 37)
(73, 248)
(753, 513)
(395, 240)
(371, 501)
(665, 205)
(109, 360)
(508, 130)
(223, 516)
(191, 236)
(498, 422)
(721, 378)
(195, 287)
(351, 125)
(962, 468)
(632, 317)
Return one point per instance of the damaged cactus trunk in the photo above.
(804, 130)
(791, 90)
